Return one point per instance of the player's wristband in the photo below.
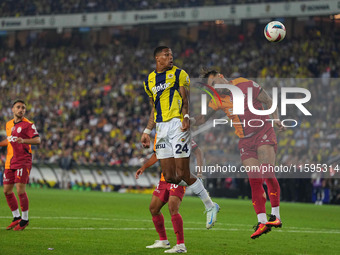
(147, 131)
(187, 116)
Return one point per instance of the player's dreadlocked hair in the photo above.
(159, 49)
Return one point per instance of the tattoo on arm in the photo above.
(185, 101)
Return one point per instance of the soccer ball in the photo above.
(275, 31)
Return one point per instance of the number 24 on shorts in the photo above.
(180, 148)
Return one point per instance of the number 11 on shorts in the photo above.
(19, 172)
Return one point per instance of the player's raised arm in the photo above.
(264, 98)
(150, 162)
(151, 123)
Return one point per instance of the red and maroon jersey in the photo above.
(19, 155)
(243, 130)
(194, 145)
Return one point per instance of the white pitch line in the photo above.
(193, 229)
(291, 229)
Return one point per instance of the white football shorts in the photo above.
(171, 142)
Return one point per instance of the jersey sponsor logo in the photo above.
(160, 87)
(160, 146)
(19, 129)
(12, 139)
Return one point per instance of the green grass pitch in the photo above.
(81, 223)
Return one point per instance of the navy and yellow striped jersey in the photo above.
(164, 89)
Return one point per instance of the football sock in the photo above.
(261, 217)
(198, 189)
(177, 223)
(276, 211)
(16, 214)
(258, 195)
(24, 205)
(273, 190)
(13, 204)
(158, 221)
(25, 215)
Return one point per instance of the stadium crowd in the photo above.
(91, 100)
(43, 7)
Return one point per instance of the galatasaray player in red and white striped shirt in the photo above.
(21, 134)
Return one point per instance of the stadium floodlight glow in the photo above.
(336, 16)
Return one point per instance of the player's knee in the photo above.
(20, 192)
(171, 180)
(173, 209)
(154, 210)
(8, 192)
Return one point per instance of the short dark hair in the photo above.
(159, 49)
(206, 73)
(18, 101)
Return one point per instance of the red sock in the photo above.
(23, 202)
(273, 191)
(12, 201)
(158, 221)
(273, 185)
(177, 223)
(258, 195)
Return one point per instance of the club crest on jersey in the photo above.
(183, 140)
(19, 129)
(170, 75)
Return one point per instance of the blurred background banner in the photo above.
(96, 15)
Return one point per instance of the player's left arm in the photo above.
(264, 98)
(184, 82)
(32, 141)
(32, 133)
(150, 162)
